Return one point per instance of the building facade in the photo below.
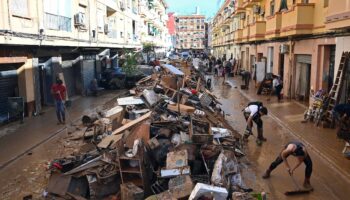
(172, 29)
(300, 40)
(190, 32)
(73, 39)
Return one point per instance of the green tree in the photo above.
(130, 64)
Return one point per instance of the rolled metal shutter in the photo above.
(304, 59)
(8, 88)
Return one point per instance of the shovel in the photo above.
(298, 189)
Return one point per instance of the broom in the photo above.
(298, 189)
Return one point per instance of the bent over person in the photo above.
(253, 113)
(298, 150)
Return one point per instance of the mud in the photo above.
(28, 175)
(327, 179)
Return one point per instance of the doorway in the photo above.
(302, 78)
(270, 60)
(281, 66)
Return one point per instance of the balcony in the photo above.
(249, 3)
(246, 34)
(273, 26)
(238, 35)
(338, 15)
(257, 31)
(298, 20)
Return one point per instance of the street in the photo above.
(328, 181)
(29, 173)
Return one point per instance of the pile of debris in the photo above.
(168, 139)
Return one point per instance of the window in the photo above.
(272, 7)
(58, 14)
(325, 3)
(20, 8)
(100, 20)
(283, 6)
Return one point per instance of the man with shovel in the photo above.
(58, 91)
(298, 150)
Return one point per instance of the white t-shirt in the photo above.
(252, 109)
(275, 82)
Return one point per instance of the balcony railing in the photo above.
(57, 22)
(273, 25)
(246, 34)
(298, 20)
(238, 35)
(257, 31)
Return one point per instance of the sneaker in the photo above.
(266, 174)
(59, 123)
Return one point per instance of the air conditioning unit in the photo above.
(242, 15)
(256, 9)
(79, 19)
(122, 6)
(106, 28)
(284, 48)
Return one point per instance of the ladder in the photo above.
(336, 88)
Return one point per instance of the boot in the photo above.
(260, 135)
(307, 184)
(266, 174)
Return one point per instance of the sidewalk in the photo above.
(36, 130)
(289, 114)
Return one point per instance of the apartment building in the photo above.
(300, 40)
(190, 32)
(73, 39)
(224, 25)
(172, 29)
(154, 23)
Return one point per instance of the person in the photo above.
(228, 68)
(253, 113)
(340, 111)
(93, 87)
(278, 86)
(58, 91)
(246, 79)
(233, 63)
(298, 150)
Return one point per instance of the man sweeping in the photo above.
(58, 91)
(253, 113)
(298, 150)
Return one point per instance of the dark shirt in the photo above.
(342, 109)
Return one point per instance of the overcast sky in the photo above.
(206, 7)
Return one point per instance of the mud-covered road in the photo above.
(328, 182)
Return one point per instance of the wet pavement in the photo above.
(19, 139)
(28, 174)
(330, 172)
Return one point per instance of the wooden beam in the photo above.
(9, 60)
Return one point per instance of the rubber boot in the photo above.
(307, 184)
(260, 135)
(266, 174)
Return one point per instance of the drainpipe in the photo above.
(291, 75)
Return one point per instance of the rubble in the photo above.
(167, 139)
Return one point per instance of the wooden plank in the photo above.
(183, 108)
(9, 60)
(114, 137)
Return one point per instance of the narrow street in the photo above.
(330, 170)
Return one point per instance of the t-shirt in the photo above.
(252, 109)
(61, 89)
(342, 109)
(275, 82)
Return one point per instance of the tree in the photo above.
(148, 48)
(130, 64)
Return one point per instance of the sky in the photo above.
(184, 7)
